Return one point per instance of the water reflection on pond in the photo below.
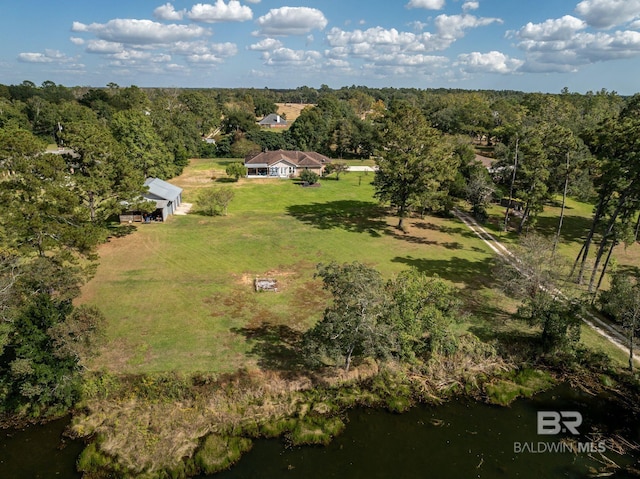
(460, 439)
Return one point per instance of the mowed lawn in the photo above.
(179, 295)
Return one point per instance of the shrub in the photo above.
(309, 176)
(215, 201)
(236, 170)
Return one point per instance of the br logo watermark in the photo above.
(554, 423)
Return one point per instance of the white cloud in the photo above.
(140, 32)
(564, 45)
(79, 27)
(291, 21)
(491, 62)
(288, 57)
(378, 38)
(563, 28)
(204, 49)
(49, 56)
(266, 45)
(224, 50)
(176, 68)
(427, 4)
(454, 26)
(387, 51)
(335, 63)
(190, 48)
(405, 60)
(220, 12)
(470, 5)
(581, 49)
(77, 40)
(377, 42)
(168, 12)
(260, 74)
(417, 25)
(381, 46)
(103, 46)
(132, 56)
(30, 57)
(208, 58)
(608, 13)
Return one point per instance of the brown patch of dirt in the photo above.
(304, 298)
(309, 296)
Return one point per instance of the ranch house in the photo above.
(273, 121)
(284, 164)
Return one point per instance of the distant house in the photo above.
(284, 164)
(167, 198)
(273, 121)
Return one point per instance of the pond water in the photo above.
(460, 439)
(39, 452)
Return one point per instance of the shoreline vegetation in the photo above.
(172, 425)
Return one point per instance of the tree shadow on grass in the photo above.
(474, 274)
(450, 230)
(349, 215)
(425, 241)
(574, 228)
(276, 346)
(629, 270)
(121, 230)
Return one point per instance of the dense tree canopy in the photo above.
(408, 317)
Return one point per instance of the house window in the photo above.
(273, 171)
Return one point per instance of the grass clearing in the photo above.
(178, 296)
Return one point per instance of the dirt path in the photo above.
(613, 333)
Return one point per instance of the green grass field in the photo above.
(179, 295)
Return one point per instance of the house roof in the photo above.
(162, 189)
(309, 159)
(272, 119)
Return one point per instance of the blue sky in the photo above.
(528, 45)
